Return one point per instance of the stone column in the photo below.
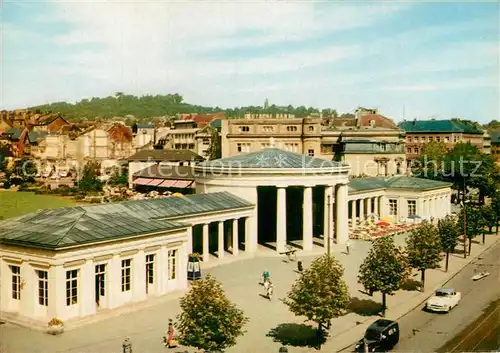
(236, 245)
(57, 292)
(162, 270)
(281, 220)
(189, 245)
(86, 288)
(375, 206)
(342, 231)
(353, 214)
(29, 290)
(206, 250)
(361, 210)
(139, 276)
(307, 220)
(114, 282)
(248, 234)
(383, 206)
(369, 210)
(220, 233)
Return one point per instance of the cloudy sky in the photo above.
(434, 59)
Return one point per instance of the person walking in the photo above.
(270, 290)
(348, 247)
(265, 276)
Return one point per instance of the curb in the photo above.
(472, 258)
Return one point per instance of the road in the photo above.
(465, 328)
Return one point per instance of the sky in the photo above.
(412, 60)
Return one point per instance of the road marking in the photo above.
(477, 327)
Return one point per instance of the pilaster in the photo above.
(307, 220)
(29, 292)
(87, 289)
(281, 220)
(236, 244)
(342, 231)
(206, 253)
(220, 234)
(139, 276)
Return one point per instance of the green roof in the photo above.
(495, 137)
(272, 158)
(14, 133)
(33, 136)
(446, 126)
(217, 123)
(395, 182)
(69, 226)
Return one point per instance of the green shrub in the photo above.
(95, 200)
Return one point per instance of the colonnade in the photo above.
(436, 206)
(365, 206)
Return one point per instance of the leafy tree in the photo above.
(474, 223)
(88, 180)
(320, 293)
(430, 162)
(449, 233)
(495, 205)
(118, 178)
(424, 249)
(214, 149)
(384, 269)
(489, 217)
(208, 319)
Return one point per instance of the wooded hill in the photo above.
(146, 107)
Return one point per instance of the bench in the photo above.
(290, 253)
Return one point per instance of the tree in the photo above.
(89, 180)
(430, 161)
(489, 217)
(208, 319)
(474, 223)
(424, 249)
(384, 269)
(320, 293)
(118, 178)
(495, 205)
(449, 233)
(213, 151)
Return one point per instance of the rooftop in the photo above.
(435, 126)
(272, 158)
(395, 182)
(80, 225)
(166, 155)
(495, 137)
(163, 171)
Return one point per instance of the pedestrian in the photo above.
(270, 290)
(347, 247)
(265, 276)
(127, 346)
(299, 266)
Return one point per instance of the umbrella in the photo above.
(414, 217)
(383, 224)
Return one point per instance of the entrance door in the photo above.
(100, 281)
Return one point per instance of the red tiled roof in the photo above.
(380, 121)
(203, 119)
(120, 133)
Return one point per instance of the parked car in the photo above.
(443, 300)
(380, 336)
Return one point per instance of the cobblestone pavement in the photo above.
(146, 326)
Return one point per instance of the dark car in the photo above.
(380, 336)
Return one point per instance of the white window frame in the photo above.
(43, 287)
(126, 275)
(172, 264)
(412, 207)
(150, 268)
(16, 282)
(72, 287)
(393, 207)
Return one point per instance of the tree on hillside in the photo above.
(430, 163)
(320, 293)
(449, 234)
(208, 319)
(474, 223)
(384, 269)
(423, 249)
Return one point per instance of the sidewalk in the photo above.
(240, 279)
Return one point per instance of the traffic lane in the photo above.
(435, 328)
(481, 335)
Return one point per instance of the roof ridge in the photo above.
(73, 226)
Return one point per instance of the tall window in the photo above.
(71, 287)
(16, 282)
(150, 270)
(172, 257)
(393, 207)
(126, 270)
(412, 207)
(43, 287)
(100, 277)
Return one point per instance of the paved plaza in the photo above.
(145, 326)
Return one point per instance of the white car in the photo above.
(443, 300)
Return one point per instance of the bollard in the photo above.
(127, 346)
